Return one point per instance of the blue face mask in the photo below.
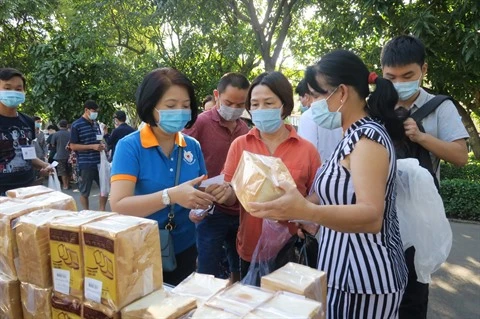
(267, 121)
(322, 115)
(303, 108)
(408, 89)
(93, 116)
(12, 98)
(173, 121)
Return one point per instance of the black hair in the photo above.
(236, 80)
(8, 73)
(208, 98)
(344, 67)
(302, 88)
(120, 115)
(154, 86)
(37, 118)
(279, 85)
(53, 127)
(63, 123)
(91, 105)
(403, 50)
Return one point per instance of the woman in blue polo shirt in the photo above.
(145, 164)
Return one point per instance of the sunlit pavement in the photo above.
(455, 288)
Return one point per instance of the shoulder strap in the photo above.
(429, 107)
(177, 176)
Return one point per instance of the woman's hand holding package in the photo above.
(186, 195)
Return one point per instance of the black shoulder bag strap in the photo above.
(171, 215)
(428, 108)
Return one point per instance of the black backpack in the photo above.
(408, 149)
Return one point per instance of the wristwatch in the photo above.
(165, 197)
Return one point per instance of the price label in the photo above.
(93, 289)
(61, 281)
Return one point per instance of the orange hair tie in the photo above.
(372, 77)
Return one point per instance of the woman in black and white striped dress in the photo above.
(360, 245)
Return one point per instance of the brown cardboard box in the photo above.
(10, 302)
(27, 192)
(32, 237)
(36, 302)
(66, 251)
(122, 260)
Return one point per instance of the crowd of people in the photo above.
(343, 162)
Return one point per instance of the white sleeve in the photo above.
(307, 128)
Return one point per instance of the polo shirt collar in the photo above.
(422, 98)
(255, 133)
(148, 139)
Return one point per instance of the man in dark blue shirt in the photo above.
(121, 129)
(86, 141)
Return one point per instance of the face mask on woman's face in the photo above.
(12, 99)
(322, 115)
(268, 120)
(173, 121)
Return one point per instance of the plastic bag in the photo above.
(422, 219)
(274, 237)
(104, 175)
(53, 181)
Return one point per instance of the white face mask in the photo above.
(229, 113)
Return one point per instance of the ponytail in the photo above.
(381, 105)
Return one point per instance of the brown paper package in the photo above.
(123, 253)
(10, 301)
(36, 301)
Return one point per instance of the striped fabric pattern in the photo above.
(360, 263)
(85, 133)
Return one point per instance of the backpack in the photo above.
(408, 149)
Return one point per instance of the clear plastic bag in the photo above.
(53, 181)
(104, 175)
(421, 214)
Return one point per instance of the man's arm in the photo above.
(88, 147)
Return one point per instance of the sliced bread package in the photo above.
(93, 310)
(27, 192)
(207, 312)
(66, 307)
(200, 286)
(36, 301)
(10, 301)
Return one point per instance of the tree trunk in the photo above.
(474, 140)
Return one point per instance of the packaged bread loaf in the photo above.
(10, 211)
(93, 310)
(36, 301)
(207, 312)
(200, 286)
(257, 178)
(122, 260)
(10, 302)
(239, 299)
(27, 192)
(32, 236)
(66, 252)
(159, 305)
(298, 279)
(4, 199)
(66, 307)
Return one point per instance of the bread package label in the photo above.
(159, 304)
(10, 302)
(66, 252)
(298, 279)
(122, 260)
(93, 310)
(257, 178)
(27, 192)
(200, 286)
(66, 307)
(32, 236)
(36, 301)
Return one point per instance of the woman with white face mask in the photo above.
(360, 246)
(269, 101)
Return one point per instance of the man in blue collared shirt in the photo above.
(121, 130)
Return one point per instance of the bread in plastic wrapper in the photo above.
(32, 236)
(159, 305)
(27, 192)
(4, 199)
(239, 299)
(200, 286)
(257, 178)
(286, 306)
(93, 310)
(66, 253)
(11, 210)
(122, 260)
(298, 279)
(206, 312)
(10, 301)
(36, 301)
(66, 307)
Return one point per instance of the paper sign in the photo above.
(220, 179)
(93, 289)
(61, 281)
(29, 153)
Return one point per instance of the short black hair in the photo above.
(279, 85)
(237, 80)
(403, 50)
(120, 115)
(91, 105)
(154, 86)
(8, 73)
(52, 127)
(63, 123)
(302, 88)
(37, 118)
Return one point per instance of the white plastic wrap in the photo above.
(200, 286)
(104, 175)
(53, 181)
(27, 192)
(421, 214)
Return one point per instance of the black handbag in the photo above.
(298, 250)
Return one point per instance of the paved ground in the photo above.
(455, 289)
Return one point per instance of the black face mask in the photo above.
(402, 113)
